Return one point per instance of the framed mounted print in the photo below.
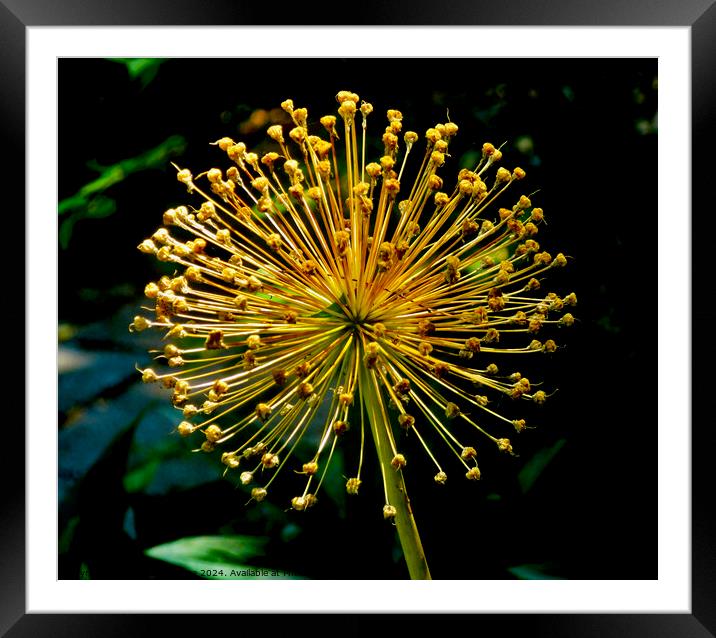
(335, 306)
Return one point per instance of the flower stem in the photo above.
(405, 524)
(396, 492)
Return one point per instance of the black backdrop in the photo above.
(584, 130)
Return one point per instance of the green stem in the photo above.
(405, 523)
(395, 485)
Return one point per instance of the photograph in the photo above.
(357, 318)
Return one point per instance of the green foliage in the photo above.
(532, 572)
(106, 412)
(90, 202)
(86, 374)
(139, 478)
(535, 466)
(144, 69)
(470, 159)
(219, 557)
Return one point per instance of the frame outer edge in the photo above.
(703, 91)
(12, 468)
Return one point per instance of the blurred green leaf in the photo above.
(334, 483)
(67, 535)
(218, 557)
(128, 524)
(290, 532)
(101, 206)
(160, 461)
(113, 333)
(486, 115)
(470, 159)
(90, 435)
(111, 175)
(84, 572)
(90, 202)
(66, 228)
(176, 473)
(609, 322)
(139, 478)
(533, 468)
(532, 572)
(86, 374)
(70, 203)
(145, 69)
(568, 93)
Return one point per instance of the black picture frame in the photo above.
(700, 15)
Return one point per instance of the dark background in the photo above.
(580, 500)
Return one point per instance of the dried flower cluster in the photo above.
(313, 278)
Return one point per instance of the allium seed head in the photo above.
(327, 284)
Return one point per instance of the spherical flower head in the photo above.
(318, 279)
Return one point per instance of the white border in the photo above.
(670, 593)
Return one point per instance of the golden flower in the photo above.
(317, 277)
